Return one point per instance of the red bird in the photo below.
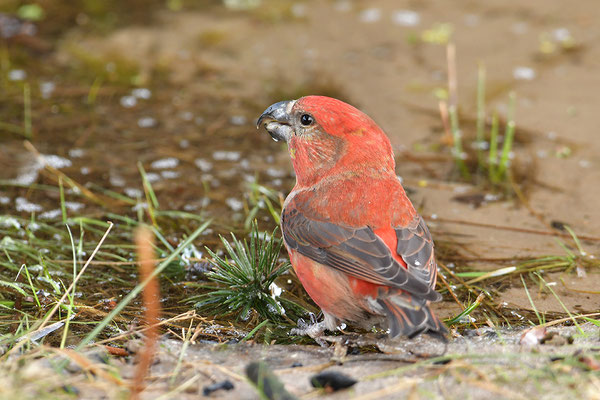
(357, 244)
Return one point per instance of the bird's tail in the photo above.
(408, 319)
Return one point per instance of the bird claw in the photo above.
(303, 325)
(314, 330)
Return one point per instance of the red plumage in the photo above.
(357, 244)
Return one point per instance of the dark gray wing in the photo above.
(358, 252)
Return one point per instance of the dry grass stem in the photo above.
(144, 240)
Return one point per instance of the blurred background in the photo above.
(177, 85)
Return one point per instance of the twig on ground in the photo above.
(512, 228)
(151, 297)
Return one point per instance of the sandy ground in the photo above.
(487, 364)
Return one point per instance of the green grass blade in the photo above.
(70, 296)
(27, 125)
(467, 311)
(576, 240)
(138, 289)
(537, 314)
(493, 156)
(561, 303)
(63, 206)
(509, 133)
(480, 115)
(457, 150)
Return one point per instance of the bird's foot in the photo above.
(315, 329)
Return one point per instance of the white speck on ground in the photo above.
(76, 153)
(134, 193)
(17, 75)
(168, 174)
(146, 122)
(222, 155)
(141, 93)
(165, 163)
(370, 15)
(24, 205)
(406, 18)
(234, 204)
(128, 101)
(524, 73)
(203, 164)
(51, 214)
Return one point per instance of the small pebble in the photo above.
(223, 385)
(562, 35)
(299, 10)
(186, 115)
(170, 174)
(57, 162)
(133, 192)
(234, 204)
(165, 163)
(76, 153)
(332, 381)
(203, 164)
(46, 89)
(370, 15)
(128, 101)
(275, 173)
(524, 73)
(520, 28)
(472, 20)
(152, 177)
(238, 120)
(146, 122)
(226, 155)
(343, 5)
(17, 75)
(141, 93)
(116, 180)
(542, 153)
(406, 18)
(10, 222)
(24, 205)
(73, 205)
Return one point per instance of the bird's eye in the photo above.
(306, 119)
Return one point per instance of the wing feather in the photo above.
(415, 246)
(359, 252)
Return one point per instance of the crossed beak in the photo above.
(277, 120)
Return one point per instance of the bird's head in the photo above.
(326, 136)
